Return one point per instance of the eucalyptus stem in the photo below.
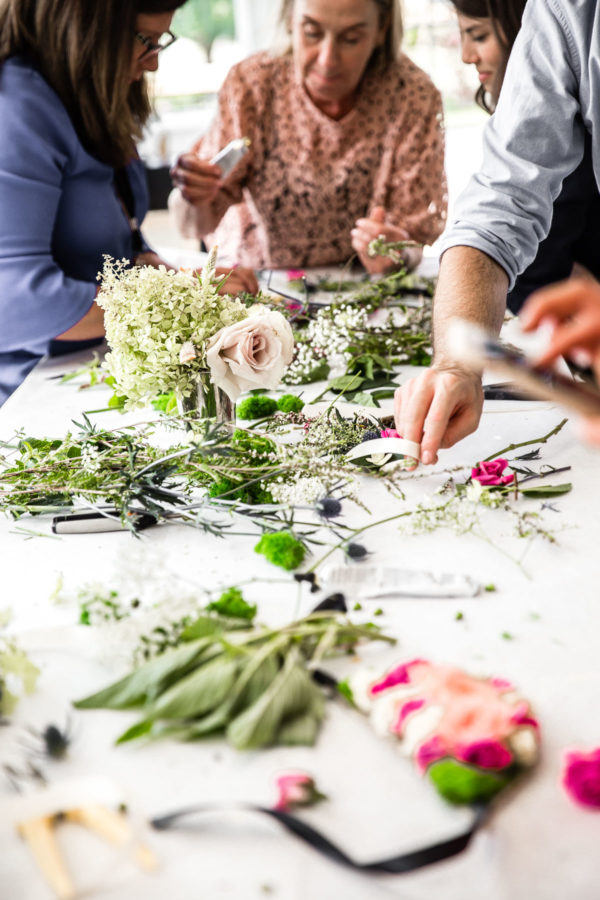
(542, 440)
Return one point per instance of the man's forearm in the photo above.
(471, 286)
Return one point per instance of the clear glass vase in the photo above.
(207, 401)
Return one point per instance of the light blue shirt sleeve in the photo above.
(531, 143)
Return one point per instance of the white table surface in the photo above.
(537, 846)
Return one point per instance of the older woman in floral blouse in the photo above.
(346, 145)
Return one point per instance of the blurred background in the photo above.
(215, 34)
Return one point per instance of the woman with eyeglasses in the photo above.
(346, 145)
(488, 30)
(73, 101)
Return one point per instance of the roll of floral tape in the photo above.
(471, 736)
(379, 452)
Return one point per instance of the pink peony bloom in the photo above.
(296, 789)
(485, 754)
(490, 473)
(389, 432)
(581, 777)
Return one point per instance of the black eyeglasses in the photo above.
(164, 41)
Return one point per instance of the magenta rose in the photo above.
(389, 432)
(490, 473)
(581, 777)
(485, 754)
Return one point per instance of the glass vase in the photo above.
(207, 401)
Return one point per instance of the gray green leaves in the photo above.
(249, 683)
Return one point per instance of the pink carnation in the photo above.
(399, 675)
(430, 752)
(490, 473)
(581, 777)
(296, 789)
(485, 754)
(405, 710)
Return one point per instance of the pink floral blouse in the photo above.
(294, 198)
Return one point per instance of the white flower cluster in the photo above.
(303, 492)
(153, 317)
(326, 338)
(90, 458)
(459, 514)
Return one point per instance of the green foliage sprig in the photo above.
(252, 685)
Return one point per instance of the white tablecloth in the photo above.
(537, 844)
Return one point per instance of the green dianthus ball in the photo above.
(460, 783)
(290, 403)
(256, 407)
(282, 549)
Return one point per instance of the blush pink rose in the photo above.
(252, 353)
(296, 789)
(490, 473)
(581, 777)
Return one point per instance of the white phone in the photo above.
(229, 156)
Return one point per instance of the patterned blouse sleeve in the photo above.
(416, 193)
(236, 118)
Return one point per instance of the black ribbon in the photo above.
(397, 865)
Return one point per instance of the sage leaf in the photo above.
(149, 680)
(197, 693)
(301, 730)
(547, 490)
(292, 692)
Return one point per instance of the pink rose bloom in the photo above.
(389, 432)
(490, 473)
(485, 754)
(295, 274)
(251, 353)
(296, 789)
(581, 777)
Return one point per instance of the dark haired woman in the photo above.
(488, 29)
(73, 101)
(346, 144)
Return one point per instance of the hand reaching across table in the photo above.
(573, 307)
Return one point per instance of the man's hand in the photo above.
(367, 230)
(438, 408)
(444, 404)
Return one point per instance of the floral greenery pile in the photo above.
(150, 315)
(229, 677)
(291, 492)
(341, 341)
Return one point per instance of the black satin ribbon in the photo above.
(396, 865)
